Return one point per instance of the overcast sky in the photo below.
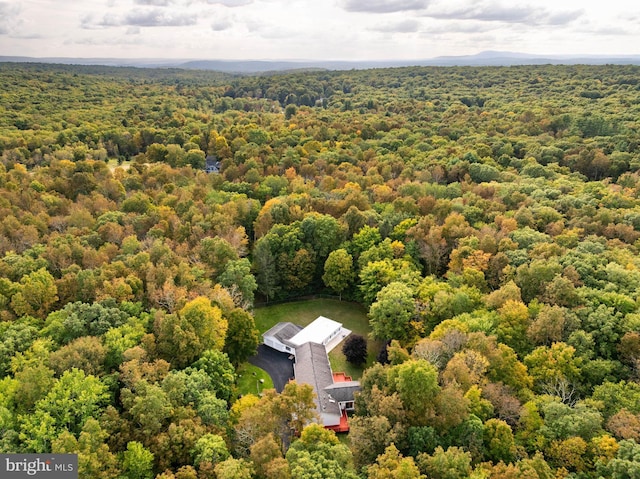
(315, 29)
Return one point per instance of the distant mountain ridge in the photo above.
(486, 58)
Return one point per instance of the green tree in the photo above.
(72, 400)
(297, 269)
(290, 111)
(499, 441)
(94, 457)
(137, 462)
(212, 410)
(156, 153)
(625, 465)
(364, 239)
(16, 336)
(184, 336)
(369, 437)
(562, 421)
(323, 233)
(533, 278)
(319, 453)
(266, 456)
(80, 319)
(416, 382)
(234, 469)
(210, 448)
(378, 274)
(422, 439)
(391, 465)
(242, 336)
(216, 252)
(175, 155)
(615, 396)
(454, 463)
(390, 316)
(264, 265)
(338, 271)
(195, 158)
(118, 340)
(604, 324)
(237, 278)
(148, 407)
(469, 435)
(86, 353)
(36, 294)
(558, 362)
(220, 371)
(279, 414)
(34, 382)
(186, 387)
(513, 320)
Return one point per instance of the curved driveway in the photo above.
(276, 364)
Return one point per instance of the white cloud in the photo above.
(384, 6)
(230, 3)
(452, 27)
(496, 12)
(9, 16)
(144, 18)
(402, 26)
(157, 3)
(314, 29)
(221, 25)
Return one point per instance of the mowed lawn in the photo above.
(352, 316)
(252, 379)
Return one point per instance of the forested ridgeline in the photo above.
(488, 218)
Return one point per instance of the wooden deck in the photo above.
(344, 424)
(344, 419)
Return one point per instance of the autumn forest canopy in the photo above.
(488, 219)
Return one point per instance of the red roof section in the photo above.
(341, 378)
(344, 419)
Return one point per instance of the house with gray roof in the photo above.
(334, 391)
(278, 337)
(286, 337)
(312, 367)
(212, 164)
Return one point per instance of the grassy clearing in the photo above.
(352, 315)
(113, 164)
(249, 377)
(340, 364)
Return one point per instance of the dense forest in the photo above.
(487, 218)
